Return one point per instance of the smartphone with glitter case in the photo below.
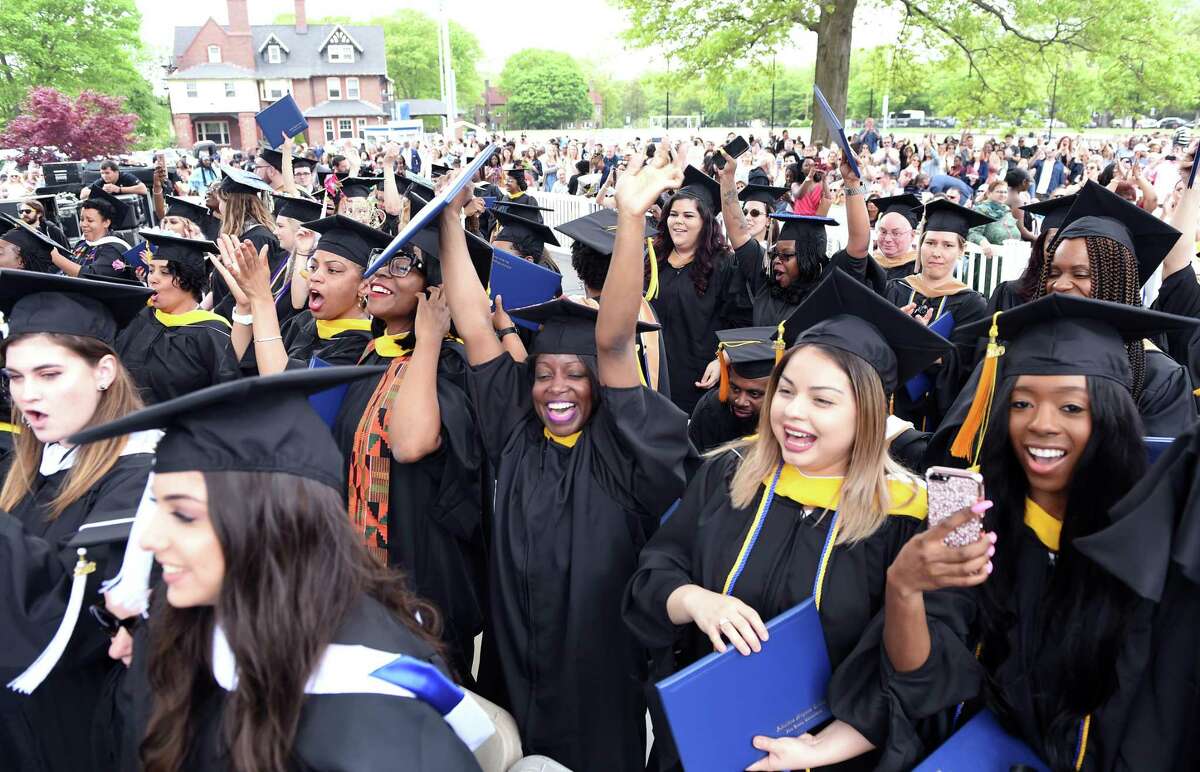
(949, 491)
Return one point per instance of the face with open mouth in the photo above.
(562, 393)
(184, 543)
(56, 390)
(684, 223)
(814, 414)
(784, 269)
(1049, 424)
(333, 286)
(167, 295)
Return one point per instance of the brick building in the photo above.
(220, 76)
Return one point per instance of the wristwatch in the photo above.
(246, 320)
(510, 330)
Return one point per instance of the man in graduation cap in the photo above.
(746, 356)
(895, 250)
(593, 237)
(798, 258)
(39, 213)
(24, 247)
(270, 166)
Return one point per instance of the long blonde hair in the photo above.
(239, 211)
(865, 500)
(92, 461)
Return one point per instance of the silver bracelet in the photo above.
(861, 190)
(268, 340)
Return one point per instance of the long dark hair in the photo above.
(710, 248)
(1082, 617)
(1031, 279)
(293, 570)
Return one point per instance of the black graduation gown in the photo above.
(565, 535)
(772, 305)
(259, 236)
(105, 261)
(899, 271)
(713, 423)
(337, 732)
(699, 544)
(1180, 294)
(303, 341)
(52, 729)
(690, 321)
(890, 708)
(435, 505)
(946, 377)
(170, 361)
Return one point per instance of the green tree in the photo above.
(545, 89)
(77, 45)
(1002, 53)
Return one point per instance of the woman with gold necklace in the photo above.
(932, 294)
(811, 507)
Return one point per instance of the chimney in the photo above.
(301, 18)
(239, 16)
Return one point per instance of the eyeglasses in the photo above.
(752, 212)
(109, 623)
(774, 252)
(896, 234)
(403, 264)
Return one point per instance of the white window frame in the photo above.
(270, 93)
(274, 54)
(230, 89)
(352, 90)
(192, 89)
(362, 127)
(330, 134)
(339, 53)
(204, 131)
(214, 54)
(333, 88)
(345, 128)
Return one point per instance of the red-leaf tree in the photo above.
(54, 127)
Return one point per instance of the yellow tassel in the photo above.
(779, 344)
(723, 393)
(652, 287)
(974, 426)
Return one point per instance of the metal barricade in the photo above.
(983, 274)
(564, 208)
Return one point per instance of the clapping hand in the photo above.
(644, 181)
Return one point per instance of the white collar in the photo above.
(56, 458)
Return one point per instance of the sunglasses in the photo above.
(109, 623)
(24, 211)
(752, 212)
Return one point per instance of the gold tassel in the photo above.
(652, 287)
(723, 393)
(974, 426)
(779, 346)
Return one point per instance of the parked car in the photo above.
(1172, 123)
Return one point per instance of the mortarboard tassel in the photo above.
(723, 359)
(652, 287)
(779, 345)
(36, 673)
(974, 426)
(130, 588)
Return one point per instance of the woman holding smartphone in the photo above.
(813, 506)
(1022, 621)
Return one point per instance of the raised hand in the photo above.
(644, 181)
(927, 563)
(433, 316)
(226, 264)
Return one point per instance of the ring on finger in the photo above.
(723, 623)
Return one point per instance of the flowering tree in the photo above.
(54, 127)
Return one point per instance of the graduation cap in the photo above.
(803, 228)
(699, 185)
(906, 205)
(751, 352)
(423, 189)
(181, 207)
(35, 302)
(297, 208)
(439, 169)
(429, 240)
(239, 181)
(598, 230)
(275, 158)
(35, 246)
(359, 187)
(528, 233)
(515, 171)
(530, 211)
(944, 215)
(173, 248)
(262, 424)
(1058, 335)
(845, 314)
(1098, 211)
(1053, 210)
(568, 327)
(348, 238)
(120, 210)
(764, 194)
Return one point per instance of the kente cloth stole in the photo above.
(371, 463)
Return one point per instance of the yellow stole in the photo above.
(333, 327)
(1044, 525)
(191, 317)
(567, 442)
(824, 492)
(389, 345)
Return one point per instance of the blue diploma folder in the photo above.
(919, 385)
(138, 255)
(521, 283)
(717, 705)
(835, 126)
(282, 116)
(328, 402)
(981, 745)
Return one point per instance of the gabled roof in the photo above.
(344, 108)
(339, 28)
(278, 42)
(304, 58)
(213, 71)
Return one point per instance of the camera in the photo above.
(921, 309)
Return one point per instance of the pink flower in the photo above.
(118, 265)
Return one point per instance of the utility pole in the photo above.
(772, 93)
(668, 126)
(1053, 101)
(446, 70)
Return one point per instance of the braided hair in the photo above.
(1115, 279)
